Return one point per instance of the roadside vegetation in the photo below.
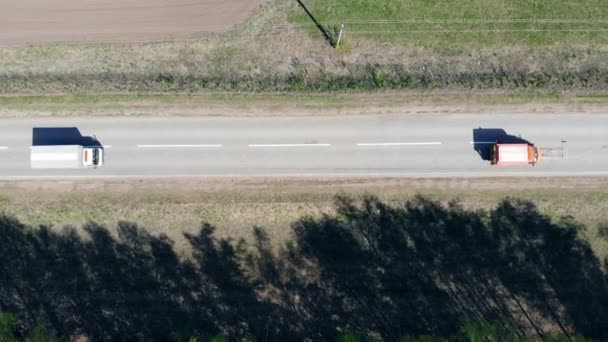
(367, 271)
(387, 44)
(236, 205)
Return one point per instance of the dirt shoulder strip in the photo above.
(300, 104)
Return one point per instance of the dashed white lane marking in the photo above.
(400, 143)
(289, 145)
(3, 147)
(179, 146)
(482, 142)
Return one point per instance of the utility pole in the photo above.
(340, 35)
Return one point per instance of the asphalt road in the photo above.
(396, 145)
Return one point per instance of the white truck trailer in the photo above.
(66, 157)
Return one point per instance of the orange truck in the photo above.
(513, 154)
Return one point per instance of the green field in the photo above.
(463, 24)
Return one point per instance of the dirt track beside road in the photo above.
(26, 22)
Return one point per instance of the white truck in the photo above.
(66, 157)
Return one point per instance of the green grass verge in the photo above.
(459, 25)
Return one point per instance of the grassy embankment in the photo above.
(388, 44)
(236, 206)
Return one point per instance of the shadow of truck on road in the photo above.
(46, 136)
(484, 138)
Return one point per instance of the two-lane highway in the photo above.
(396, 145)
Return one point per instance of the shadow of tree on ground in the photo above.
(425, 268)
(380, 270)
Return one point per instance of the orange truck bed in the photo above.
(510, 154)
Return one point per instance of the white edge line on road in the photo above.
(289, 145)
(400, 143)
(178, 146)
(329, 174)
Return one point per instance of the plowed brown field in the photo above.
(52, 21)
